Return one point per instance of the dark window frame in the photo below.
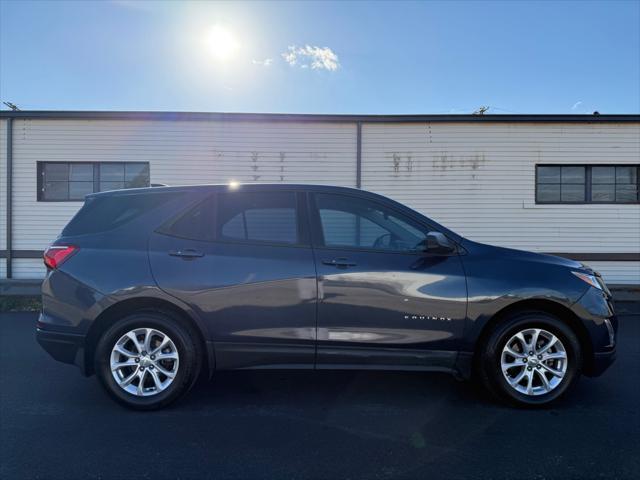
(588, 184)
(96, 177)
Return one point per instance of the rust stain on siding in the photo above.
(402, 162)
(445, 161)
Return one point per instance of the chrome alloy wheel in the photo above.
(533, 361)
(144, 362)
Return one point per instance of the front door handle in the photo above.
(188, 253)
(339, 262)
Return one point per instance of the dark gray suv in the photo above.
(152, 288)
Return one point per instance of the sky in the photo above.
(305, 57)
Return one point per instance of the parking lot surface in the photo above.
(56, 424)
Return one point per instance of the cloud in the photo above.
(265, 63)
(576, 105)
(316, 58)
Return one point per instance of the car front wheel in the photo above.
(531, 359)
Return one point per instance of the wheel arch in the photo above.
(127, 307)
(563, 313)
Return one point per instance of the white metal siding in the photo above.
(479, 180)
(28, 268)
(179, 153)
(476, 178)
(618, 272)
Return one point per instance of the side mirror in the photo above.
(437, 242)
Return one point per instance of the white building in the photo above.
(486, 177)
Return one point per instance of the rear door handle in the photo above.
(188, 253)
(339, 262)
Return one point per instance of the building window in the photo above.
(71, 181)
(587, 183)
(617, 184)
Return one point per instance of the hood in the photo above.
(523, 255)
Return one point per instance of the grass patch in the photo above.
(20, 304)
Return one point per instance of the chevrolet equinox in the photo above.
(151, 288)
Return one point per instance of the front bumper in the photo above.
(62, 346)
(595, 310)
(601, 361)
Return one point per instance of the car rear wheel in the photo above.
(147, 360)
(531, 359)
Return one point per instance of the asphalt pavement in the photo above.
(56, 424)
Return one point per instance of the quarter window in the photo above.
(355, 223)
(196, 224)
(587, 184)
(269, 217)
(71, 181)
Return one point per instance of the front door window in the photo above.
(355, 223)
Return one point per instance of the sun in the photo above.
(222, 43)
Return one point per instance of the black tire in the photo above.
(183, 338)
(490, 371)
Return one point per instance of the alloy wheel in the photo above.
(534, 361)
(144, 361)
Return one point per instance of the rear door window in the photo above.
(198, 223)
(262, 217)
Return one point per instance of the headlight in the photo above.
(590, 279)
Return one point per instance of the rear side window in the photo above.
(104, 213)
(269, 217)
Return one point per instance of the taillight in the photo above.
(56, 255)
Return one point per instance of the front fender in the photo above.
(499, 278)
(481, 312)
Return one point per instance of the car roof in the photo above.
(232, 186)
